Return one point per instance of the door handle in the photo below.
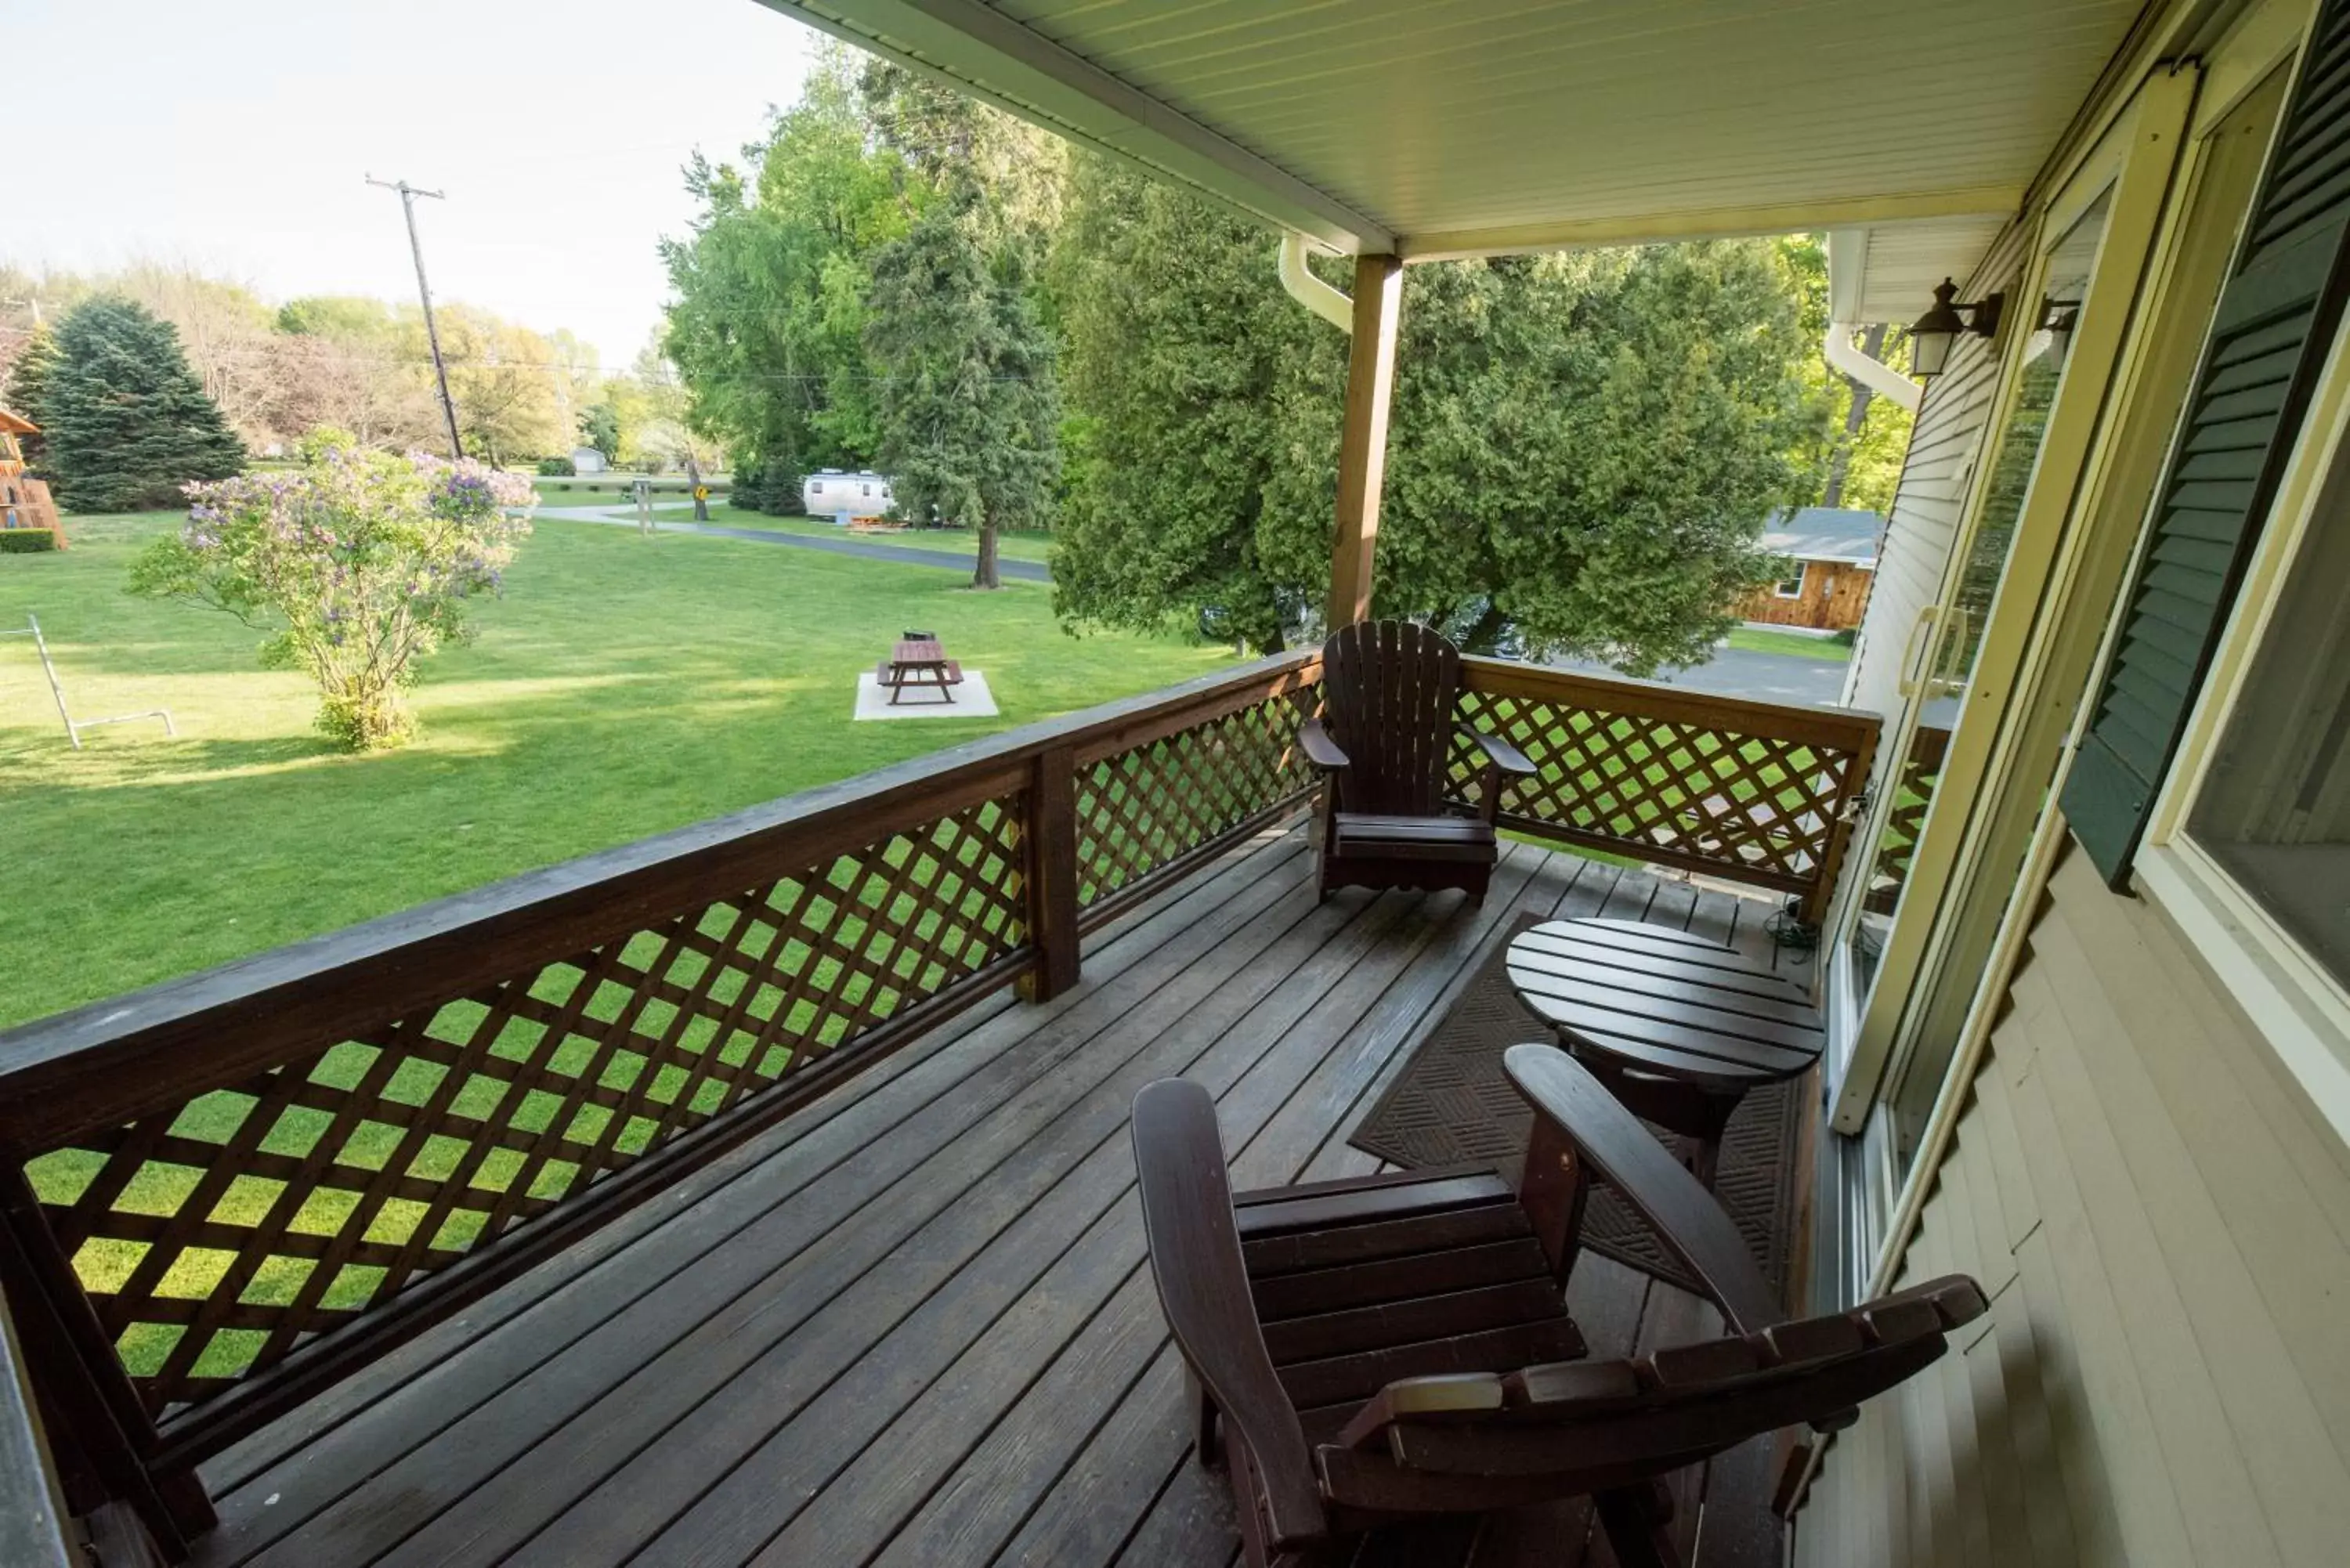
(1939, 685)
(1921, 632)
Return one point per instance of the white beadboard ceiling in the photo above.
(1467, 126)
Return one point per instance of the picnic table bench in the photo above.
(919, 659)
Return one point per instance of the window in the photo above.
(865, 490)
(1792, 587)
(816, 487)
(2273, 808)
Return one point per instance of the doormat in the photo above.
(1452, 1104)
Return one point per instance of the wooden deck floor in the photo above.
(915, 1326)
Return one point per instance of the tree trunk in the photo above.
(694, 485)
(984, 576)
(1872, 343)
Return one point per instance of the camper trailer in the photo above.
(844, 497)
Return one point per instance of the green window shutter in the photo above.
(2269, 338)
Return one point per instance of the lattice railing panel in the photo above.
(1761, 806)
(214, 1237)
(1897, 843)
(1143, 807)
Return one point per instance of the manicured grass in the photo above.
(613, 490)
(1757, 640)
(622, 687)
(1016, 544)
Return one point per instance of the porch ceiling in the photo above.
(1484, 126)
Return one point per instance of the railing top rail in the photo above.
(1657, 700)
(113, 1059)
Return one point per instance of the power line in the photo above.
(407, 195)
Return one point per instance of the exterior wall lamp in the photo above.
(1936, 331)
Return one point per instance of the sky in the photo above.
(237, 138)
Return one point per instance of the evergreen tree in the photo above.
(1181, 368)
(128, 423)
(969, 412)
(25, 392)
(1582, 453)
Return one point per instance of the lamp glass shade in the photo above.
(1929, 350)
(1932, 334)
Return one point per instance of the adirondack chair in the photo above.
(1377, 1351)
(1383, 746)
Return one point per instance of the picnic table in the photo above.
(919, 660)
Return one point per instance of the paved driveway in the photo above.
(1743, 672)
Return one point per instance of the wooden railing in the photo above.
(1897, 843)
(229, 1191)
(1759, 792)
(222, 1194)
(32, 1512)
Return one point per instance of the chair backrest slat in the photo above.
(1389, 694)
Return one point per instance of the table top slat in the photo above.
(1691, 1009)
(1612, 936)
(1666, 1004)
(1551, 954)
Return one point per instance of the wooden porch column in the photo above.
(1363, 442)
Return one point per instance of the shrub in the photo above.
(557, 467)
(361, 562)
(26, 541)
(770, 487)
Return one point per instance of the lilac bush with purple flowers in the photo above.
(358, 564)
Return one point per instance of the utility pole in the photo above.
(407, 195)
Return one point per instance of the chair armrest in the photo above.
(1501, 753)
(1319, 748)
(1195, 1257)
(1687, 1218)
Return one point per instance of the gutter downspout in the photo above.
(1330, 303)
(1843, 354)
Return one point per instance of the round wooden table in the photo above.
(1678, 1028)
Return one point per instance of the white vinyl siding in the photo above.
(1930, 501)
(2163, 1224)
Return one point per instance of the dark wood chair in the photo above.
(1377, 1351)
(1384, 744)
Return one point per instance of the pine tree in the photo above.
(126, 423)
(26, 388)
(970, 413)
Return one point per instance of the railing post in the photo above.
(1052, 873)
(1842, 828)
(78, 1380)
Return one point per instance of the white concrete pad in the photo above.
(971, 700)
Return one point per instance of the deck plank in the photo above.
(988, 1211)
(430, 1445)
(916, 1325)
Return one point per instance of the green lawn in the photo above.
(1757, 640)
(622, 687)
(609, 489)
(1016, 544)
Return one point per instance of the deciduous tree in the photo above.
(26, 391)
